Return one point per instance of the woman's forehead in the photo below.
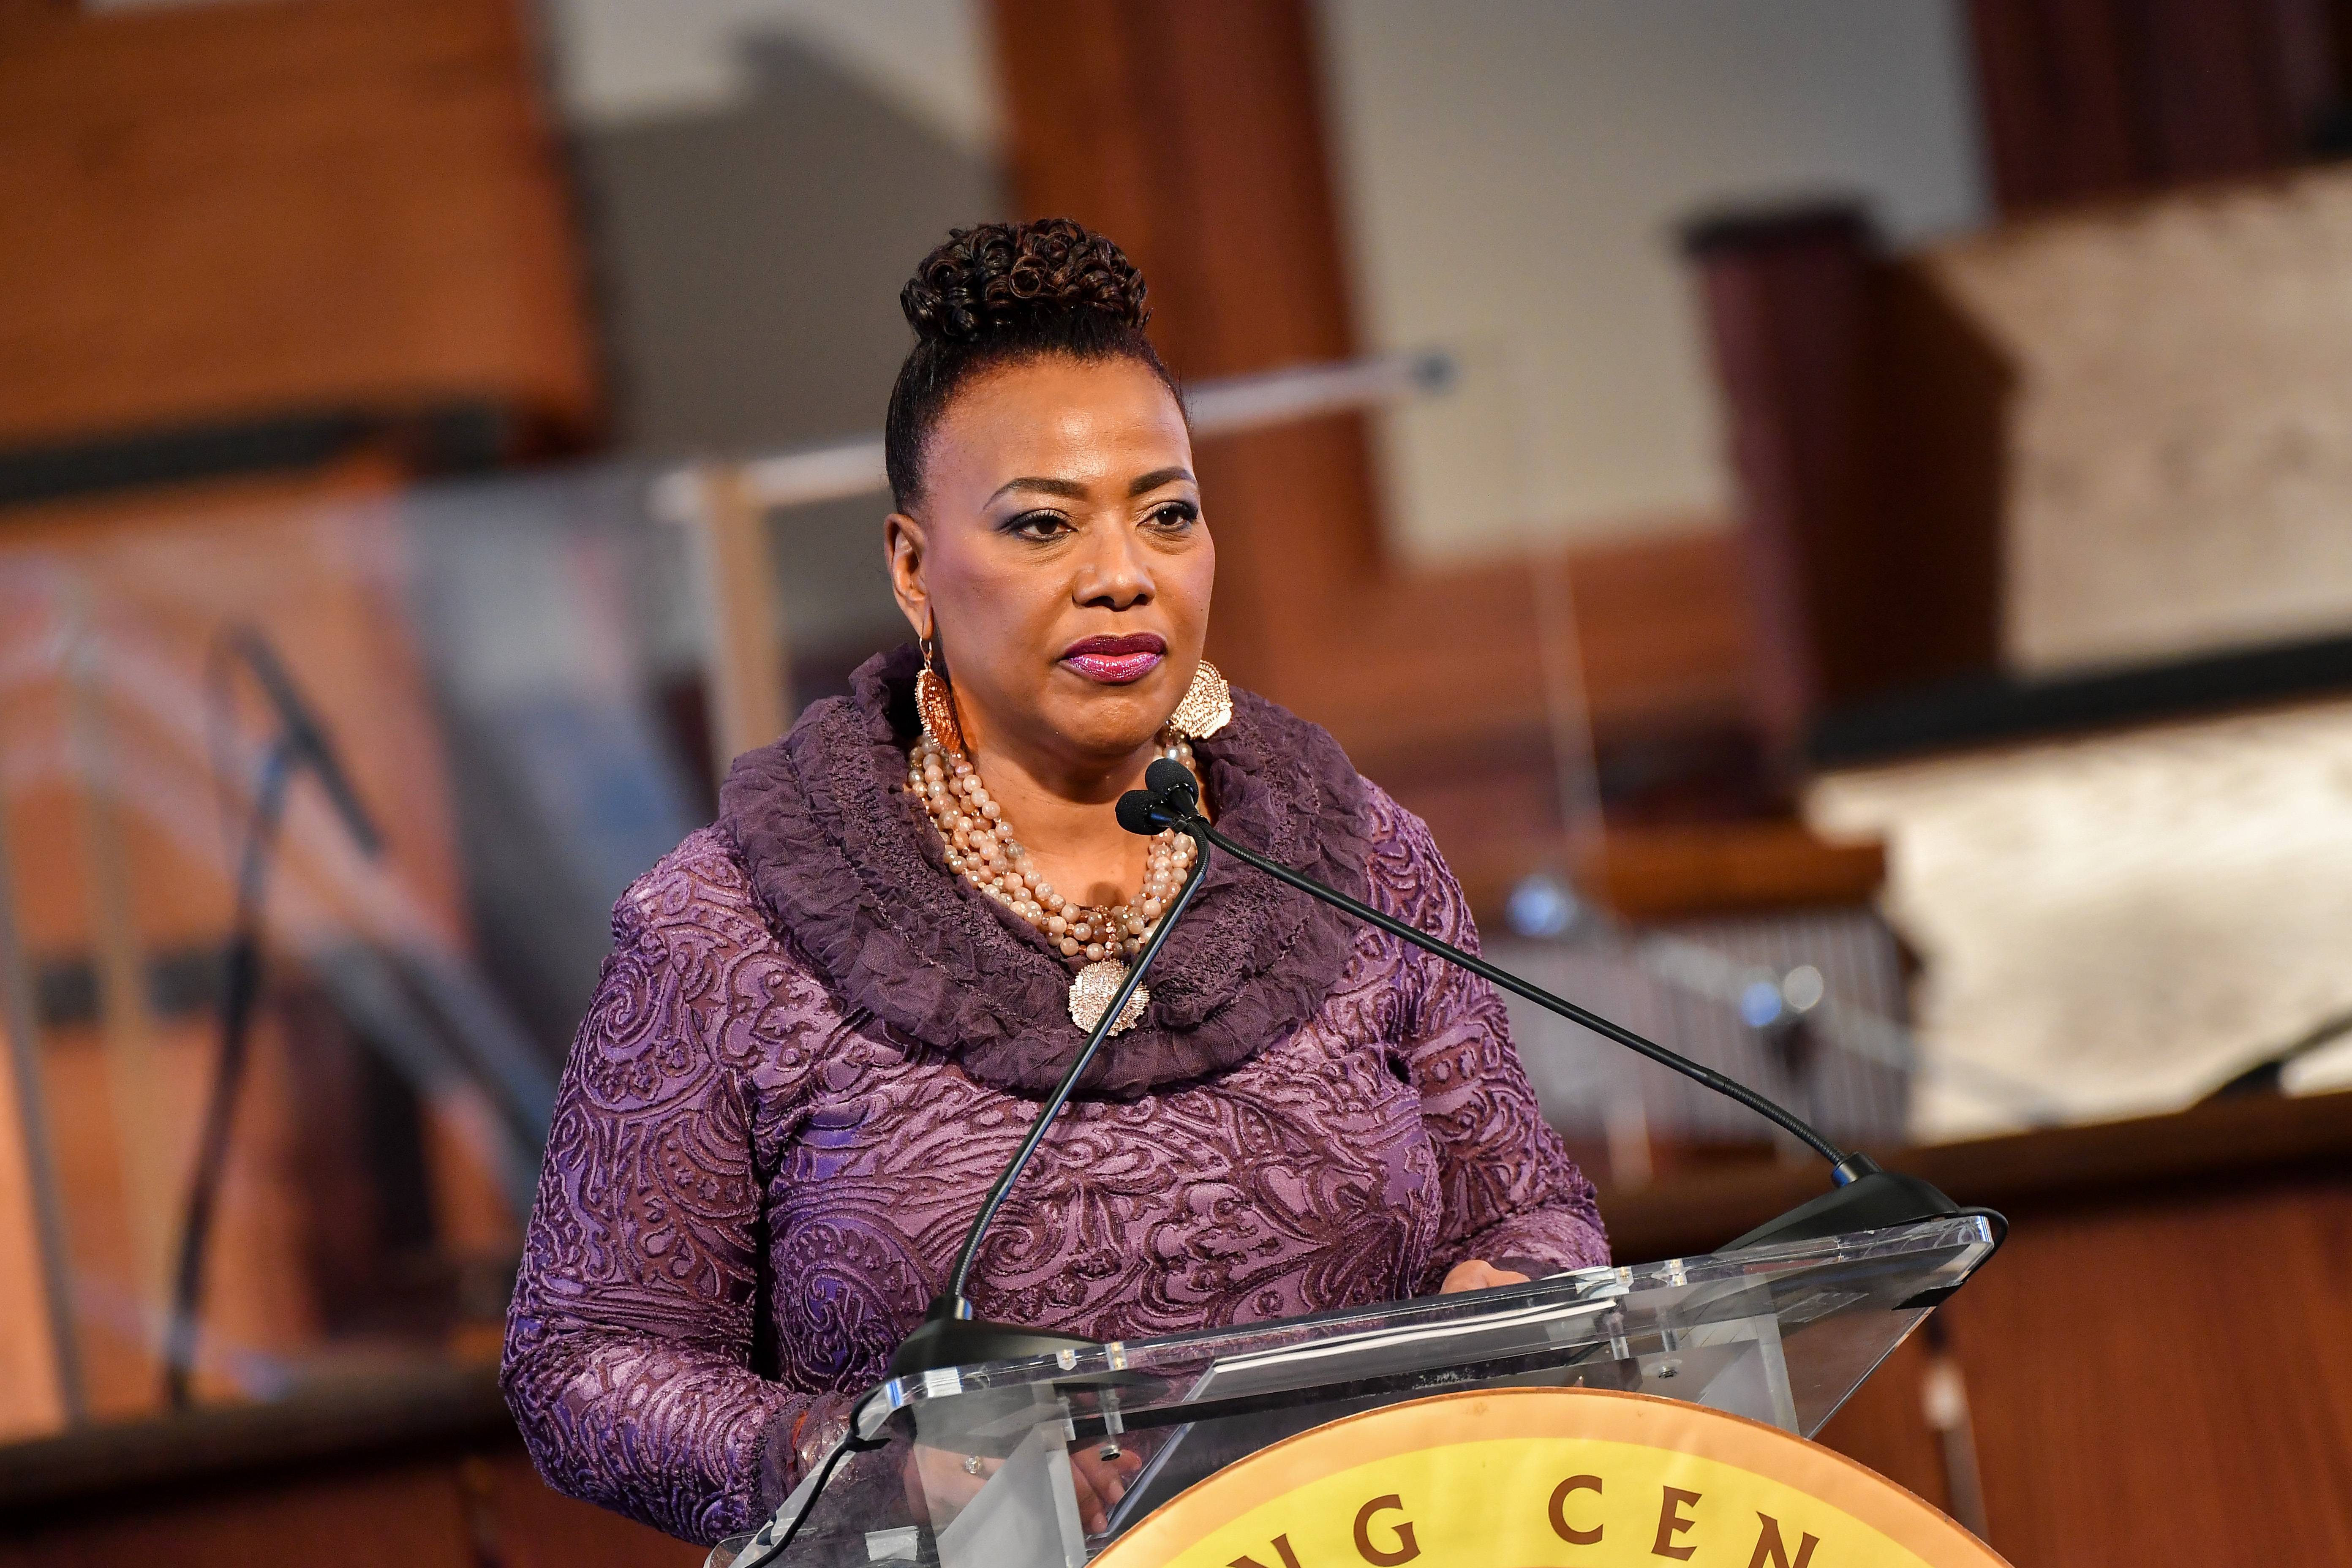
(1093, 423)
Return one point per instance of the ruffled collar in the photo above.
(845, 864)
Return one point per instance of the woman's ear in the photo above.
(902, 555)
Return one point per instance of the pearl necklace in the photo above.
(981, 849)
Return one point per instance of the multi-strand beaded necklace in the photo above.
(981, 848)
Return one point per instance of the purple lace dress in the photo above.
(813, 1048)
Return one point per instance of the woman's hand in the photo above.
(1478, 1274)
(944, 1475)
(952, 1479)
(1101, 1483)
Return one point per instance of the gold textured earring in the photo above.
(935, 705)
(1208, 705)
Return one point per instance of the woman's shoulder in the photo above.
(1407, 872)
(695, 960)
(1351, 832)
(1395, 830)
(1302, 758)
(699, 892)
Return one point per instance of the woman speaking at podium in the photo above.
(829, 1018)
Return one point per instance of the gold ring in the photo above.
(971, 1463)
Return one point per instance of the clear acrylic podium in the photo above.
(1781, 1335)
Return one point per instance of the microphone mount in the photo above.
(1864, 1197)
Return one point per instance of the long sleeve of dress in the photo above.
(628, 1359)
(1512, 1195)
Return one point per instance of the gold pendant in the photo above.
(1091, 991)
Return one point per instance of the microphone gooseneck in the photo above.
(961, 1273)
(948, 1335)
(1866, 1197)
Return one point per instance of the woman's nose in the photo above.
(1113, 572)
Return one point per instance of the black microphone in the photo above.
(1168, 797)
(948, 1335)
(302, 740)
(1865, 1198)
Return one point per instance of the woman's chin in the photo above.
(1105, 710)
(1108, 727)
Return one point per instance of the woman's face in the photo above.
(1059, 557)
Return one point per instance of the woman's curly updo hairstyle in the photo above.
(999, 294)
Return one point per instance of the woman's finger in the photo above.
(1094, 1508)
(1477, 1274)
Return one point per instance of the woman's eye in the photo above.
(1038, 525)
(1175, 516)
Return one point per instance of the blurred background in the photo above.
(1839, 512)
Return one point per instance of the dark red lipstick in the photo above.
(1116, 661)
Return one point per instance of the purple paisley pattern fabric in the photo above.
(753, 1187)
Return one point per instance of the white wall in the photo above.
(621, 59)
(1513, 171)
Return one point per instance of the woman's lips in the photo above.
(1112, 669)
(1115, 661)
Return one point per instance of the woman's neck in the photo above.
(1065, 818)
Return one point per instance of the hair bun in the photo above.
(1003, 274)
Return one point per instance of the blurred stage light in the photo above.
(1542, 905)
(1802, 988)
(1759, 1004)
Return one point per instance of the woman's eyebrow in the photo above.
(1157, 478)
(1069, 490)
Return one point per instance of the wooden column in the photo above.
(1193, 135)
(1866, 414)
(750, 661)
(1788, 304)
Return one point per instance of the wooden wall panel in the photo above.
(2195, 1352)
(1665, 625)
(2095, 98)
(229, 211)
(1418, 661)
(1194, 136)
(482, 1507)
(411, 1517)
(538, 1527)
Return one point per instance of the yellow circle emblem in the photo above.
(1531, 1478)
